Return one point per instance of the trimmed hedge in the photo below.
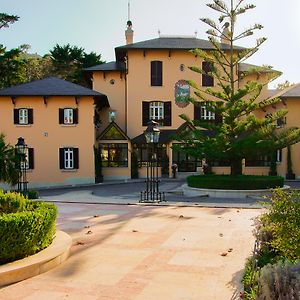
(241, 182)
(24, 229)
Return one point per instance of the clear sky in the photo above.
(98, 25)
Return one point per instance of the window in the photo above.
(206, 114)
(156, 73)
(23, 116)
(158, 111)
(68, 116)
(207, 80)
(68, 158)
(114, 155)
(258, 161)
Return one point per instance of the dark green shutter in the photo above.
(31, 158)
(61, 158)
(76, 158)
(75, 115)
(61, 116)
(30, 116)
(16, 116)
(145, 113)
(167, 114)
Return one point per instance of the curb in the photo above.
(38, 263)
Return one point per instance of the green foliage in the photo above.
(6, 19)
(240, 182)
(282, 225)
(68, 62)
(11, 202)
(25, 228)
(250, 281)
(241, 133)
(31, 194)
(8, 162)
(279, 281)
(290, 174)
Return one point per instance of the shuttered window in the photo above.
(68, 116)
(23, 116)
(207, 80)
(69, 158)
(156, 73)
(158, 111)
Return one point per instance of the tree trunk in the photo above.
(236, 167)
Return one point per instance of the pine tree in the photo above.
(240, 133)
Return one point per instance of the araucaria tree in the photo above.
(236, 132)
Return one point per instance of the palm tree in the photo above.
(8, 162)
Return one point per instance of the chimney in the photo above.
(226, 33)
(129, 33)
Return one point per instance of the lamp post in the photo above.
(152, 193)
(21, 150)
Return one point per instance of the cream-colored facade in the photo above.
(62, 150)
(130, 86)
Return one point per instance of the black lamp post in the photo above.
(21, 149)
(152, 193)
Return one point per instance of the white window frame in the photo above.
(68, 158)
(207, 114)
(156, 110)
(23, 116)
(68, 116)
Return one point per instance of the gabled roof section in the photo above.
(51, 86)
(110, 66)
(113, 132)
(243, 67)
(290, 92)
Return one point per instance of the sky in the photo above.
(99, 25)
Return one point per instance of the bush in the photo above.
(24, 229)
(249, 280)
(31, 194)
(281, 225)
(241, 182)
(279, 281)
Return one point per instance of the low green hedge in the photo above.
(241, 182)
(25, 229)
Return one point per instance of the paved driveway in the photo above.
(123, 252)
(129, 193)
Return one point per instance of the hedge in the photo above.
(27, 230)
(241, 182)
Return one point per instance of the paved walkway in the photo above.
(123, 252)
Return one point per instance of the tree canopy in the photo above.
(237, 131)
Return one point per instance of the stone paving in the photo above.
(123, 252)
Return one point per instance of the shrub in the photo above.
(249, 280)
(11, 202)
(24, 229)
(279, 281)
(281, 225)
(31, 194)
(241, 182)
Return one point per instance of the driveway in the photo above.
(123, 252)
(129, 193)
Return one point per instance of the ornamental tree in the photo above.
(233, 101)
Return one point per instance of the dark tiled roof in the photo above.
(110, 66)
(185, 43)
(246, 67)
(50, 86)
(293, 92)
